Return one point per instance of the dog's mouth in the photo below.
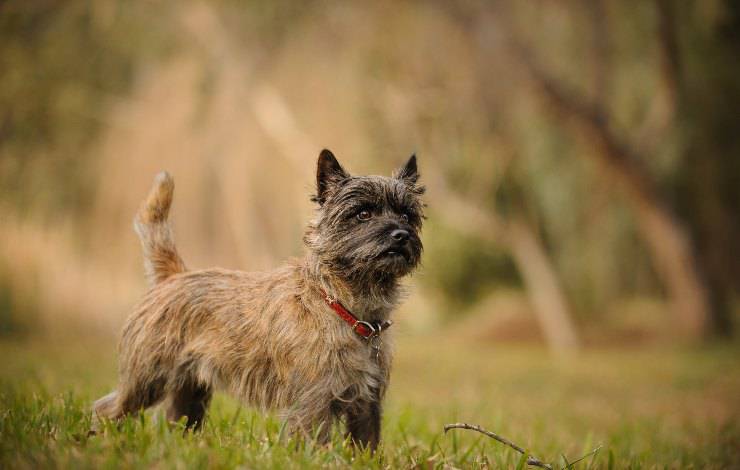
(396, 252)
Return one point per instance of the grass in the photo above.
(647, 408)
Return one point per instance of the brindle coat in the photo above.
(270, 339)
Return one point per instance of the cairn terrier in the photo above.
(308, 339)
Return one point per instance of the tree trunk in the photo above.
(676, 264)
(666, 237)
(543, 288)
(532, 262)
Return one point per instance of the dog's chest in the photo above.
(363, 371)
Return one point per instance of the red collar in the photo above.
(365, 329)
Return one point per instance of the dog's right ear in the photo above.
(329, 173)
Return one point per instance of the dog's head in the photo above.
(367, 227)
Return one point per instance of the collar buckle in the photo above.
(373, 331)
(364, 329)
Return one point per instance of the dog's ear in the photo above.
(408, 173)
(329, 173)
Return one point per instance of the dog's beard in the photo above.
(368, 260)
(396, 260)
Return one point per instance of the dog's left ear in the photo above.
(329, 174)
(408, 173)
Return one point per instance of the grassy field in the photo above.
(647, 408)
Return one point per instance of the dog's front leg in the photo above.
(311, 417)
(363, 424)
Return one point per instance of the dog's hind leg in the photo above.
(130, 400)
(107, 406)
(117, 404)
(191, 400)
(187, 394)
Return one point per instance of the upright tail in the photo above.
(161, 259)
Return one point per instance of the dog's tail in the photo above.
(161, 259)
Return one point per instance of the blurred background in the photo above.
(582, 160)
(581, 157)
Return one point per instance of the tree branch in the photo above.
(531, 460)
(541, 281)
(666, 236)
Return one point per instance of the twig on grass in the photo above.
(531, 460)
(571, 464)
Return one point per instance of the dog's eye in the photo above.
(364, 215)
(405, 218)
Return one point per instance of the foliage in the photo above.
(64, 64)
(97, 96)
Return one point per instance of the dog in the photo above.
(308, 339)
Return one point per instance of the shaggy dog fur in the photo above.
(270, 339)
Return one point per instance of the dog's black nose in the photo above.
(400, 235)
